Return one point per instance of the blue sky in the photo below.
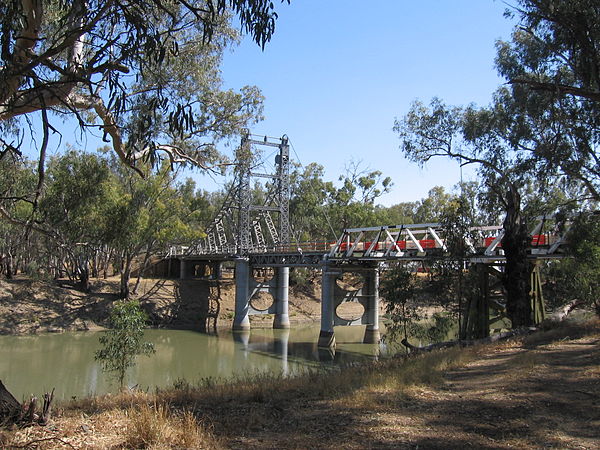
(336, 75)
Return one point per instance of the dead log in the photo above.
(557, 316)
(10, 408)
(430, 347)
(13, 412)
(561, 313)
(486, 340)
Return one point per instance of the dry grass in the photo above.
(392, 374)
(157, 426)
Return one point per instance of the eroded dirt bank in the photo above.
(31, 306)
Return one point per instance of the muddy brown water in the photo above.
(36, 364)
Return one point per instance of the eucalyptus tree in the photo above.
(17, 180)
(552, 65)
(308, 194)
(431, 208)
(73, 212)
(540, 131)
(554, 48)
(124, 341)
(353, 203)
(146, 215)
(401, 213)
(480, 136)
(143, 74)
(319, 209)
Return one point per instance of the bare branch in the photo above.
(557, 88)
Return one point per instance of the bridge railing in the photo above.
(421, 239)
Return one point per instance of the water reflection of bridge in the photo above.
(295, 352)
(256, 235)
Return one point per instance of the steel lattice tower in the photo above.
(243, 224)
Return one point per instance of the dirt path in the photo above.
(515, 397)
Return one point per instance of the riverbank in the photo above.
(36, 306)
(538, 391)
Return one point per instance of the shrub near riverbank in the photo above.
(510, 394)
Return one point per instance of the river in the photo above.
(36, 364)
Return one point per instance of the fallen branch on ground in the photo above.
(561, 313)
(486, 340)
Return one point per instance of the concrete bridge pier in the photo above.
(282, 318)
(241, 320)
(326, 336)
(372, 335)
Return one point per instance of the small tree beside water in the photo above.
(124, 341)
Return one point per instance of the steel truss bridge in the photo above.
(255, 233)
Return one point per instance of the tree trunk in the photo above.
(9, 268)
(142, 270)
(125, 275)
(516, 274)
(83, 272)
(47, 408)
(95, 264)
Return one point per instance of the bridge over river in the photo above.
(257, 236)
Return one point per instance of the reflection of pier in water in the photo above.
(276, 344)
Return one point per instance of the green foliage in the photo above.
(303, 278)
(399, 288)
(124, 341)
(551, 106)
(435, 329)
(578, 277)
(320, 210)
(404, 293)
